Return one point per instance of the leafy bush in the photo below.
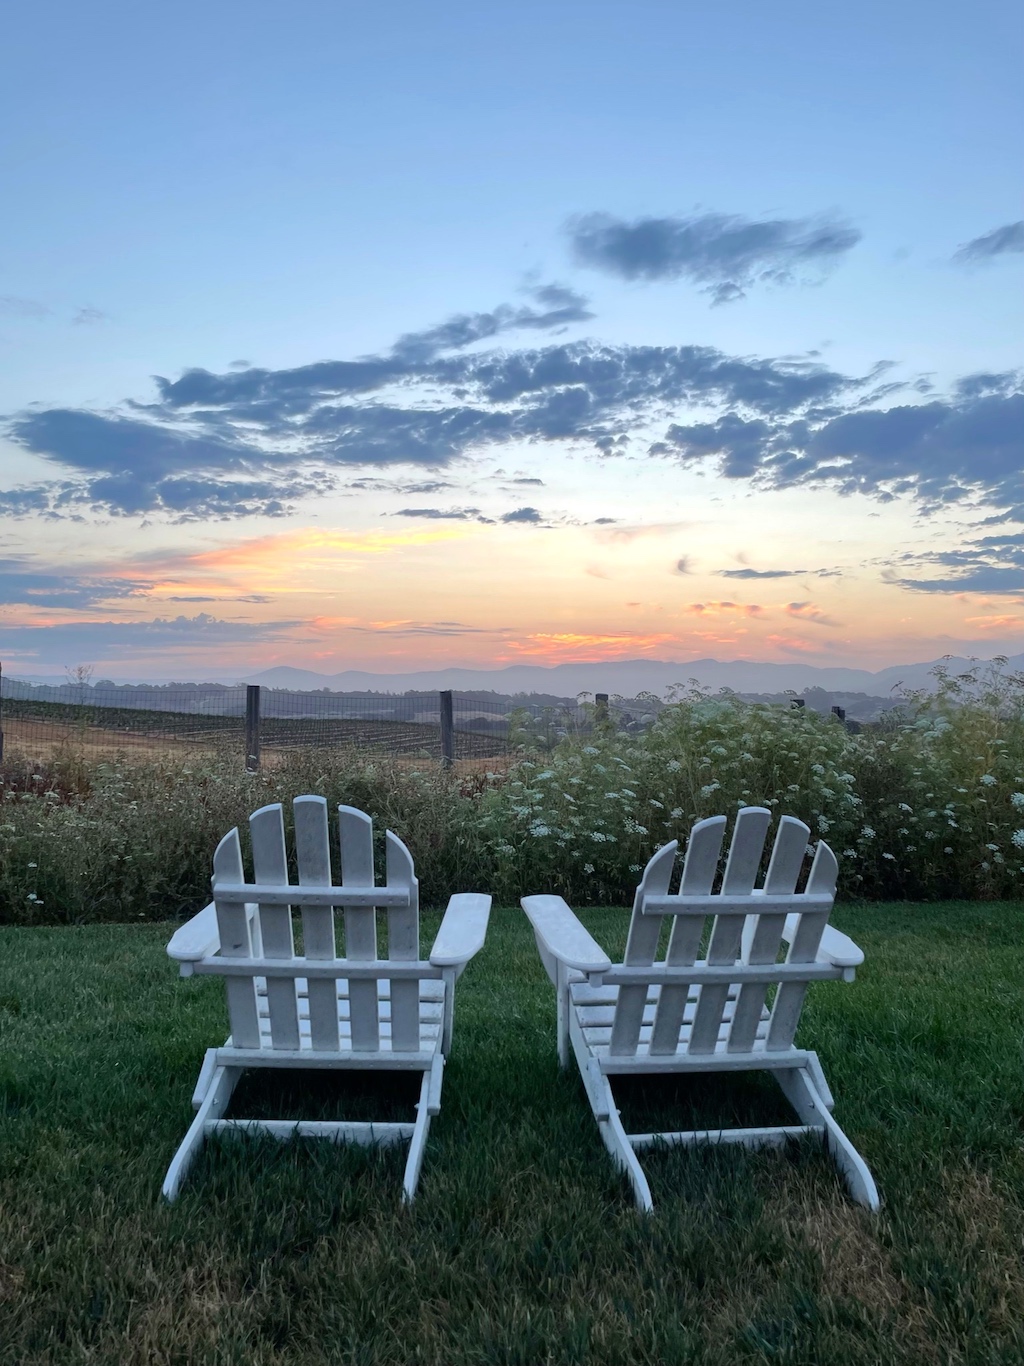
(928, 805)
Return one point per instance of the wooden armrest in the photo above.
(835, 948)
(462, 931)
(560, 933)
(197, 938)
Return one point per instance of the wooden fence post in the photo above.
(600, 710)
(1, 713)
(252, 728)
(447, 730)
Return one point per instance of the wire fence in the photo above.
(253, 723)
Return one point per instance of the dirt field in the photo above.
(408, 744)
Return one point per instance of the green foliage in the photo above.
(931, 804)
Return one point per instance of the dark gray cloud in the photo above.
(1005, 241)
(259, 442)
(240, 444)
(941, 452)
(444, 514)
(762, 573)
(528, 515)
(724, 254)
(21, 583)
(986, 564)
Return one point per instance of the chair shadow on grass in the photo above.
(699, 1172)
(259, 1162)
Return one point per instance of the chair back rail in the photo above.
(317, 984)
(705, 1006)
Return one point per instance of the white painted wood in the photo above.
(270, 864)
(707, 1015)
(810, 1105)
(331, 970)
(215, 1102)
(418, 1143)
(206, 1074)
(316, 1010)
(727, 930)
(313, 856)
(562, 935)
(448, 1016)
(699, 869)
(762, 934)
(314, 895)
(355, 831)
(372, 1133)
(641, 946)
(747, 1138)
(235, 942)
(462, 931)
(803, 948)
(835, 946)
(197, 938)
(403, 944)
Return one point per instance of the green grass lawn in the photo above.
(523, 1245)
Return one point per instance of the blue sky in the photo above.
(752, 259)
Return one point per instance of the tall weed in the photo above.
(928, 805)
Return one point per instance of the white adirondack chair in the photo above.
(690, 1015)
(319, 1010)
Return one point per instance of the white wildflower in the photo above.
(987, 779)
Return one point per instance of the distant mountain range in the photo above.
(625, 677)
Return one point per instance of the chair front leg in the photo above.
(562, 1012)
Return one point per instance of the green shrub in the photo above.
(928, 805)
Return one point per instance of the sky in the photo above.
(405, 336)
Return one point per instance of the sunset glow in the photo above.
(524, 371)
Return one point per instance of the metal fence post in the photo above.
(600, 710)
(447, 730)
(252, 728)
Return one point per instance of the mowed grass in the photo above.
(523, 1245)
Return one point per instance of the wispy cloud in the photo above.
(773, 573)
(1005, 241)
(724, 254)
(809, 611)
(19, 307)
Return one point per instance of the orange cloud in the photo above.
(566, 645)
(996, 623)
(276, 563)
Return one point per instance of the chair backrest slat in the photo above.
(762, 934)
(724, 1014)
(270, 864)
(699, 869)
(236, 942)
(403, 944)
(355, 833)
(313, 855)
(727, 930)
(641, 946)
(342, 1012)
(803, 948)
